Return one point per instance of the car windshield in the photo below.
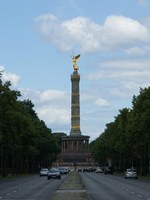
(62, 168)
(131, 170)
(44, 169)
(53, 170)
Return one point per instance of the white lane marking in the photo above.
(139, 195)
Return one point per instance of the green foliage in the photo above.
(58, 137)
(126, 141)
(26, 143)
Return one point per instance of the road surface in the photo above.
(97, 186)
(29, 188)
(111, 187)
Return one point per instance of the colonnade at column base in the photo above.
(75, 151)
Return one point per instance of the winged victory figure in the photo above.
(75, 59)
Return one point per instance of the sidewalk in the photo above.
(71, 189)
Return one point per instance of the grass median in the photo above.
(71, 189)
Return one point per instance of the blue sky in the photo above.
(37, 39)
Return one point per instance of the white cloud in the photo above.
(2, 68)
(122, 69)
(52, 96)
(125, 90)
(101, 102)
(128, 75)
(52, 106)
(7, 76)
(121, 78)
(126, 64)
(138, 51)
(88, 36)
(146, 22)
(119, 31)
(53, 114)
(46, 96)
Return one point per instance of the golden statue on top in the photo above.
(74, 60)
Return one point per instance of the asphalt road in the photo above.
(111, 187)
(29, 188)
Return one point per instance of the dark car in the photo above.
(108, 170)
(63, 170)
(53, 173)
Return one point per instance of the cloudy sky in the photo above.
(37, 39)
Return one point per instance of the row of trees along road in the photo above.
(26, 143)
(126, 140)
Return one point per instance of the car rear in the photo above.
(131, 173)
(43, 172)
(53, 173)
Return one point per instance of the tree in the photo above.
(25, 141)
(127, 140)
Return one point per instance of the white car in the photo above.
(131, 173)
(99, 170)
(43, 172)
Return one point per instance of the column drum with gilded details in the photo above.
(75, 105)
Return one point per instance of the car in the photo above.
(99, 170)
(131, 173)
(89, 169)
(108, 170)
(63, 170)
(43, 172)
(53, 173)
